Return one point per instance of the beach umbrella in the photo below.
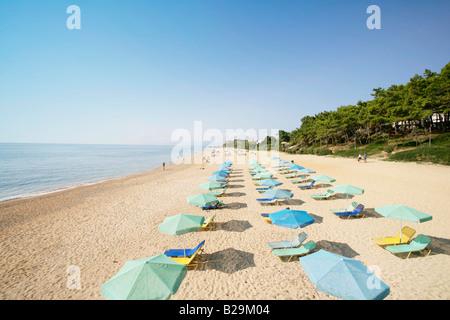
(210, 185)
(278, 194)
(153, 278)
(343, 277)
(348, 189)
(297, 167)
(202, 199)
(221, 173)
(262, 175)
(181, 224)
(269, 183)
(216, 178)
(291, 219)
(306, 170)
(403, 213)
(323, 178)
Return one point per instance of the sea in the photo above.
(32, 169)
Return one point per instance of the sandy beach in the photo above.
(98, 228)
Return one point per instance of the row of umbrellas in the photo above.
(157, 277)
(340, 276)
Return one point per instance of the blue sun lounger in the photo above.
(215, 206)
(182, 252)
(307, 186)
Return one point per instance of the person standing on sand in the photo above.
(164, 166)
(359, 157)
(365, 157)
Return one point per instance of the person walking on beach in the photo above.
(359, 157)
(164, 166)
(365, 157)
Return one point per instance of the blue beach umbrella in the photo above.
(216, 178)
(343, 277)
(297, 167)
(306, 170)
(269, 183)
(291, 219)
(278, 194)
(221, 173)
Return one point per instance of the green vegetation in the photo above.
(402, 123)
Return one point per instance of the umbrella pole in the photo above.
(184, 248)
(401, 225)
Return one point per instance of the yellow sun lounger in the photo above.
(407, 234)
(193, 261)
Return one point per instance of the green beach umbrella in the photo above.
(210, 185)
(153, 278)
(181, 224)
(323, 178)
(403, 213)
(202, 199)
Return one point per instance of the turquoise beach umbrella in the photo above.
(323, 178)
(306, 170)
(403, 213)
(343, 277)
(210, 185)
(153, 278)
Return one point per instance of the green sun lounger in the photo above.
(295, 252)
(329, 194)
(350, 208)
(296, 242)
(418, 244)
(299, 180)
(292, 175)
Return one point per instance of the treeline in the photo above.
(421, 105)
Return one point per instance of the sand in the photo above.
(95, 229)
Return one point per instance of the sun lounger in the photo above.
(357, 213)
(296, 242)
(264, 189)
(285, 171)
(295, 252)
(215, 206)
(194, 261)
(267, 200)
(266, 218)
(292, 175)
(300, 179)
(407, 234)
(308, 185)
(208, 224)
(350, 208)
(184, 252)
(217, 193)
(329, 194)
(418, 244)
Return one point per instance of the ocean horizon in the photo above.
(33, 169)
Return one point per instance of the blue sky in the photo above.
(138, 70)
